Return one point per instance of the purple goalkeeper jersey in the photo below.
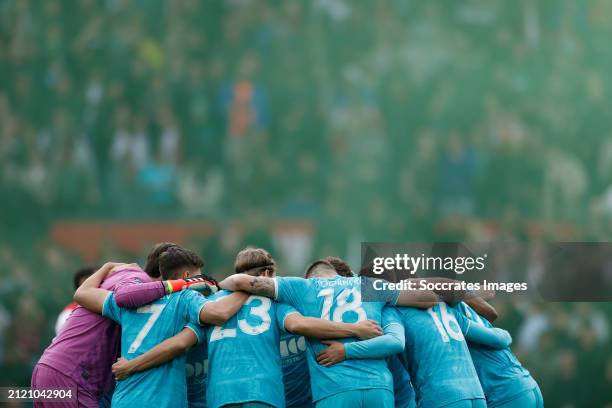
(88, 344)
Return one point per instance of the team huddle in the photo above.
(169, 336)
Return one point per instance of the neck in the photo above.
(323, 274)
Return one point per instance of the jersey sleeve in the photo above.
(488, 336)
(289, 289)
(391, 342)
(282, 311)
(199, 331)
(110, 308)
(194, 302)
(390, 315)
(132, 294)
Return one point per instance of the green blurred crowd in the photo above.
(372, 120)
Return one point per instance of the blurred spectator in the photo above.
(79, 277)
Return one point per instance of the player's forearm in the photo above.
(391, 342)
(421, 299)
(89, 295)
(221, 310)
(483, 308)
(319, 328)
(452, 296)
(488, 336)
(162, 353)
(257, 285)
(137, 294)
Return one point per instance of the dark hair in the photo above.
(152, 264)
(340, 265)
(254, 261)
(175, 258)
(81, 274)
(317, 263)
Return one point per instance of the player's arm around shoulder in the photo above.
(477, 333)
(89, 294)
(256, 285)
(165, 351)
(214, 310)
(294, 322)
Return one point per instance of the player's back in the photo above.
(88, 343)
(243, 356)
(338, 299)
(141, 330)
(196, 371)
(402, 387)
(296, 378)
(437, 357)
(501, 374)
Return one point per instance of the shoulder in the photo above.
(219, 294)
(186, 295)
(125, 276)
(291, 280)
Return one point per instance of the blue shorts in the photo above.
(377, 397)
(528, 399)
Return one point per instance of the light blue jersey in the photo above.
(295, 370)
(501, 374)
(244, 363)
(196, 369)
(337, 299)
(437, 357)
(141, 330)
(402, 387)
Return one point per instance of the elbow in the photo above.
(215, 316)
(295, 325)
(491, 315)
(504, 339)
(397, 346)
(78, 296)
(182, 346)
(507, 341)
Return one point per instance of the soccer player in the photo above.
(403, 391)
(325, 294)
(79, 278)
(506, 383)
(196, 363)
(145, 327)
(437, 357)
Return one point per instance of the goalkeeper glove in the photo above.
(201, 284)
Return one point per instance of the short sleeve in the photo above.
(390, 316)
(282, 311)
(289, 289)
(110, 308)
(199, 331)
(194, 302)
